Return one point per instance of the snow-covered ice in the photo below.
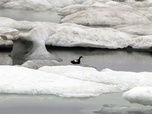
(106, 17)
(69, 81)
(140, 95)
(122, 80)
(69, 35)
(20, 80)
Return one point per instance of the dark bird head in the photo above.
(81, 57)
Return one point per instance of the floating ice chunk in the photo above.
(33, 43)
(141, 29)
(122, 80)
(140, 95)
(143, 42)
(72, 9)
(106, 17)
(75, 35)
(20, 80)
(69, 35)
(68, 81)
(114, 109)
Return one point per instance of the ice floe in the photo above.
(116, 109)
(106, 17)
(139, 29)
(140, 95)
(71, 35)
(69, 81)
(20, 80)
(123, 80)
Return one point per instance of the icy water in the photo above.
(100, 59)
(26, 104)
(119, 60)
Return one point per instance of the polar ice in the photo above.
(85, 81)
(101, 24)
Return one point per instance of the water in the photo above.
(26, 104)
(100, 59)
(114, 59)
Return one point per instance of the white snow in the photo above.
(69, 81)
(20, 80)
(140, 95)
(122, 80)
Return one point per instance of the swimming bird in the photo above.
(77, 61)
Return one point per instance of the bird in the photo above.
(77, 61)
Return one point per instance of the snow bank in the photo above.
(122, 80)
(106, 17)
(140, 95)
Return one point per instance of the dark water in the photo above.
(100, 59)
(113, 59)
